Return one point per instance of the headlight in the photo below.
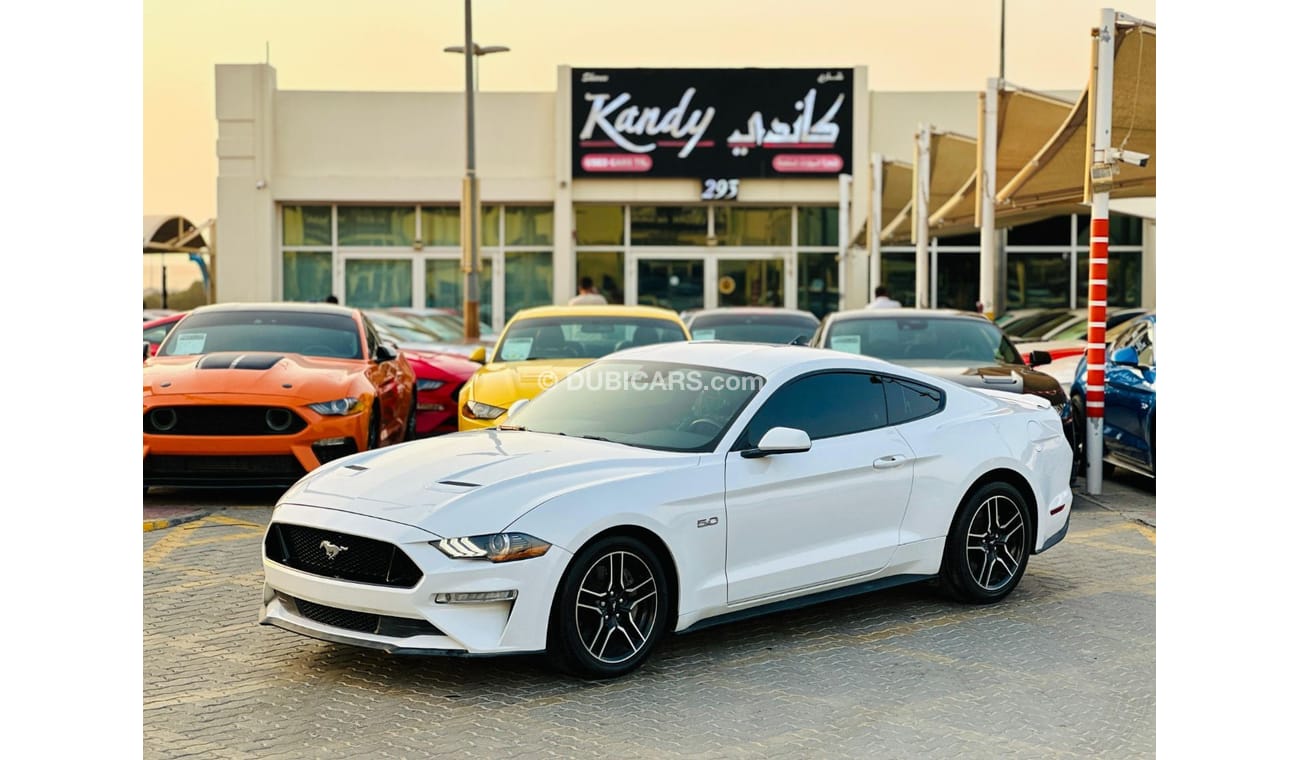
(479, 410)
(335, 407)
(498, 547)
(429, 385)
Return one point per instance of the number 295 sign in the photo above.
(720, 189)
(720, 124)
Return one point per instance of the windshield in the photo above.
(400, 329)
(1019, 325)
(288, 332)
(581, 337)
(752, 328)
(909, 339)
(1042, 330)
(652, 405)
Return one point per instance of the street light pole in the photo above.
(469, 203)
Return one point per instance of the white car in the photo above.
(668, 488)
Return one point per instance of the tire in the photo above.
(1081, 442)
(610, 609)
(983, 565)
(409, 434)
(372, 436)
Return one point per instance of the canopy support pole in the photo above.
(921, 216)
(988, 162)
(875, 279)
(1101, 173)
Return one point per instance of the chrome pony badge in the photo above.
(332, 550)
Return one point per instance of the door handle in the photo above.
(893, 460)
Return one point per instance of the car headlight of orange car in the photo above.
(336, 407)
(481, 411)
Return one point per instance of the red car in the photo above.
(438, 374)
(156, 329)
(438, 378)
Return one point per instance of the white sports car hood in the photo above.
(472, 483)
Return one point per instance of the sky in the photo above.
(110, 115)
(396, 45)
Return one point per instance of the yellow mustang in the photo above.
(541, 346)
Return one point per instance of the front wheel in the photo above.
(610, 609)
(988, 547)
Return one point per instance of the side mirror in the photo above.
(1126, 356)
(515, 407)
(779, 440)
(1039, 358)
(479, 354)
(146, 349)
(385, 353)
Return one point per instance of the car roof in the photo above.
(597, 310)
(907, 312)
(751, 310)
(285, 306)
(764, 359)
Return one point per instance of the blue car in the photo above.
(1129, 428)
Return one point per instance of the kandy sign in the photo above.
(712, 122)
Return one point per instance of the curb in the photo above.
(173, 521)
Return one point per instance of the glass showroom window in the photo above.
(1123, 278)
(818, 237)
(377, 226)
(444, 286)
(745, 225)
(898, 272)
(307, 255)
(669, 225)
(521, 237)
(598, 232)
(377, 283)
(1037, 280)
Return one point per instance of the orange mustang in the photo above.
(260, 394)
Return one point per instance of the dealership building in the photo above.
(684, 188)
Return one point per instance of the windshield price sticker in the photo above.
(516, 350)
(190, 343)
(850, 343)
(720, 189)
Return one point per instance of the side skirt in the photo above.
(805, 601)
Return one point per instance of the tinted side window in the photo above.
(909, 401)
(822, 405)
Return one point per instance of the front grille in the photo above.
(360, 559)
(365, 622)
(222, 420)
(192, 470)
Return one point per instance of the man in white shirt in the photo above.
(587, 294)
(883, 301)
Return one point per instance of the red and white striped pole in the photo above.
(1102, 170)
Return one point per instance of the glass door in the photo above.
(375, 280)
(672, 282)
(751, 280)
(444, 287)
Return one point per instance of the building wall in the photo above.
(374, 147)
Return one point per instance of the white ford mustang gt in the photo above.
(668, 488)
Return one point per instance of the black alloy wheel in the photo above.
(610, 610)
(988, 546)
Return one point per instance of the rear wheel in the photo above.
(610, 609)
(989, 545)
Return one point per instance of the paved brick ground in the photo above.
(1065, 668)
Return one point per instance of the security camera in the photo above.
(1131, 157)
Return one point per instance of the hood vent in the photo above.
(237, 360)
(458, 483)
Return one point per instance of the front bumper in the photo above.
(248, 460)
(512, 627)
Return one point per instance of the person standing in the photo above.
(587, 294)
(883, 301)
